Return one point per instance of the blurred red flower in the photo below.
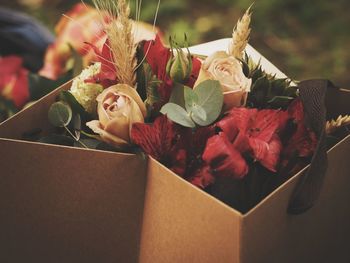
(81, 24)
(14, 80)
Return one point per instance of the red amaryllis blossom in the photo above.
(304, 140)
(161, 140)
(245, 131)
(14, 80)
(223, 158)
(157, 56)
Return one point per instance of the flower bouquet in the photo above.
(214, 125)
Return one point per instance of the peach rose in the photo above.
(119, 106)
(228, 71)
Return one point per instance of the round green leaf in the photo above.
(191, 98)
(60, 114)
(211, 99)
(177, 114)
(199, 115)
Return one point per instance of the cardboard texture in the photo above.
(62, 204)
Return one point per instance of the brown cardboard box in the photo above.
(61, 204)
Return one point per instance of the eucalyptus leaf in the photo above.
(68, 97)
(191, 98)
(199, 115)
(177, 114)
(60, 114)
(210, 98)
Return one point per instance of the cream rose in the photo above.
(228, 71)
(118, 107)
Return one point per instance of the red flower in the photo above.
(157, 56)
(223, 158)
(253, 131)
(108, 74)
(202, 177)
(81, 24)
(14, 80)
(304, 140)
(161, 140)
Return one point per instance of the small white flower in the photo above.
(86, 93)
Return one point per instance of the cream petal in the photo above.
(135, 114)
(95, 126)
(203, 75)
(234, 99)
(132, 93)
(119, 127)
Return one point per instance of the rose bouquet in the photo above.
(220, 122)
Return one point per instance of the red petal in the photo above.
(157, 57)
(266, 124)
(20, 92)
(15, 78)
(202, 177)
(156, 139)
(178, 162)
(10, 64)
(304, 140)
(222, 157)
(272, 156)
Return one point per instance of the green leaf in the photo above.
(199, 115)
(40, 86)
(280, 101)
(210, 98)
(77, 125)
(58, 140)
(259, 93)
(177, 95)
(191, 98)
(90, 143)
(177, 114)
(60, 114)
(68, 97)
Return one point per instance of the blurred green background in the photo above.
(305, 39)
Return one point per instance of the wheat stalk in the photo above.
(240, 35)
(333, 125)
(121, 38)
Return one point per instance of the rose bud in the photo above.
(179, 67)
(228, 71)
(119, 106)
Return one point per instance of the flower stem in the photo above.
(75, 138)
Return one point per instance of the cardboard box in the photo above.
(63, 204)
